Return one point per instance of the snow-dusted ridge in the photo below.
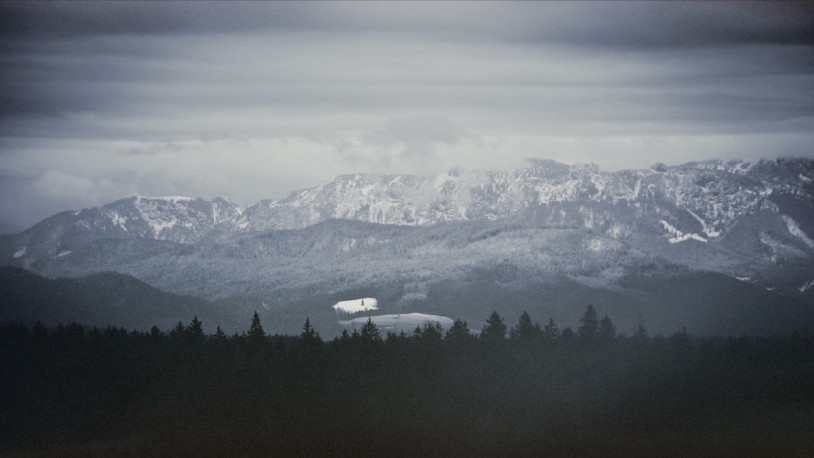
(757, 210)
(752, 222)
(713, 193)
(173, 199)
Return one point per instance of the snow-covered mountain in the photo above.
(699, 200)
(712, 194)
(750, 221)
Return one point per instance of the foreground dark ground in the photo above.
(71, 391)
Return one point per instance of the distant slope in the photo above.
(704, 303)
(102, 299)
(575, 234)
(747, 220)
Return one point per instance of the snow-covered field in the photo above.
(402, 322)
(357, 305)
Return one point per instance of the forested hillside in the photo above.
(520, 389)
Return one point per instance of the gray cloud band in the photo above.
(103, 99)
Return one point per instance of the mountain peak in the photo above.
(753, 221)
(173, 199)
(704, 198)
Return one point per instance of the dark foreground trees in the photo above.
(104, 392)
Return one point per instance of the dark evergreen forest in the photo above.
(513, 389)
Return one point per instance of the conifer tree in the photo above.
(256, 334)
(178, 331)
(525, 330)
(432, 332)
(495, 330)
(195, 331)
(308, 335)
(551, 331)
(370, 332)
(459, 332)
(590, 324)
(607, 331)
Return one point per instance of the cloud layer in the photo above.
(253, 100)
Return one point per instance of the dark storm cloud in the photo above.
(251, 100)
(630, 24)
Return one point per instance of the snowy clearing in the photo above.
(402, 322)
(357, 305)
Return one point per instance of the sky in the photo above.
(249, 101)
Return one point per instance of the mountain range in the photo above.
(411, 240)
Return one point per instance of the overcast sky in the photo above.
(253, 100)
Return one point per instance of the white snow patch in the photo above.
(686, 237)
(795, 230)
(805, 179)
(159, 226)
(595, 245)
(678, 236)
(744, 278)
(64, 253)
(20, 253)
(806, 286)
(215, 213)
(708, 230)
(404, 321)
(119, 220)
(357, 305)
(637, 189)
(669, 228)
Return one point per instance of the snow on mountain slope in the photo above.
(695, 198)
(708, 195)
(406, 322)
(751, 220)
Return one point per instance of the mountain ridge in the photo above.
(713, 193)
(101, 299)
(752, 222)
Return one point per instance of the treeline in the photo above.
(520, 389)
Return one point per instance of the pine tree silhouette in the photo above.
(370, 332)
(590, 324)
(494, 331)
(256, 336)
